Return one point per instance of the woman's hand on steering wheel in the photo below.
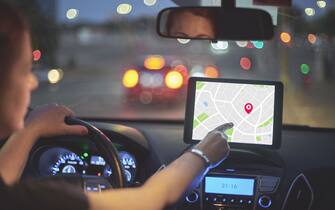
(48, 121)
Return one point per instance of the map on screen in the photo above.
(249, 106)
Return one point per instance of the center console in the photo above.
(222, 191)
(231, 191)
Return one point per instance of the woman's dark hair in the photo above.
(12, 29)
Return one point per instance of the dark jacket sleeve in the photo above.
(32, 195)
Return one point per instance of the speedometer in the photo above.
(68, 163)
(60, 161)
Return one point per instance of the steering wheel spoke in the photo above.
(107, 151)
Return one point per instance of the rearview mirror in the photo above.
(215, 23)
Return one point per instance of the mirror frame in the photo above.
(159, 16)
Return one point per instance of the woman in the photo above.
(16, 84)
(192, 23)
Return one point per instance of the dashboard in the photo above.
(58, 161)
(63, 157)
(248, 179)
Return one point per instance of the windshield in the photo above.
(104, 59)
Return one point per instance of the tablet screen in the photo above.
(249, 106)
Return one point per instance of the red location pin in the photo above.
(248, 107)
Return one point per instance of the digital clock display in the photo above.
(229, 186)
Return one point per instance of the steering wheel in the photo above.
(108, 152)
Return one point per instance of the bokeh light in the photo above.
(174, 80)
(245, 63)
(146, 97)
(258, 44)
(242, 43)
(72, 14)
(124, 9)
(154, 62)
(321, 4)
(250, 45)
(197, 71)
(211, 72)
(305, 69)
(55, 75)
(285, 37)
(220, 45)
(151, 80)
(310, 11)
(311, 38)
(37, 54)
(150, 2)
(130, 78)
(183, 41)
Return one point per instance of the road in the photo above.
(92, 87)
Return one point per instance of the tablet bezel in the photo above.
(277, 119)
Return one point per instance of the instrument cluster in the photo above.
(58, 161)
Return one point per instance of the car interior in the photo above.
(87, 57)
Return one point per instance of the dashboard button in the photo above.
(232, 200)
(192, 197)
(224, 200)
(249, 202)
(264, 201)
(241, 201)
(103, 186)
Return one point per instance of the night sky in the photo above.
(103, 10)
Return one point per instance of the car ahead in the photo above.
(162, 79)
(93, 42)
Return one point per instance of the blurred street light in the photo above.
(124, 9)
(321, 4)
(150, 2)
(310, 11)
(285, 37)
(72, 14)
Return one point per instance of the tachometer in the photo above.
(129, 163)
